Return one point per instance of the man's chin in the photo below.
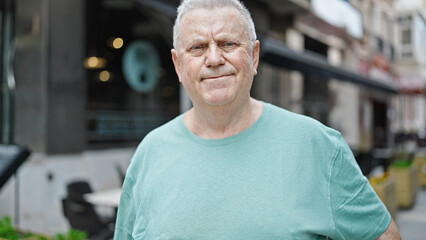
(218, 101)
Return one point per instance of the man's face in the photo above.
(214, 59)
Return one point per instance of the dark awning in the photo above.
(277, 53)
(165, 7)
(11, 157)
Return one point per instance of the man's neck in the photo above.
(221, 122)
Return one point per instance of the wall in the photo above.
(50, 102)
(30, 74)
(403, 5)
(66, 86)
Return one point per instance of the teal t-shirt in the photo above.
(285, 177)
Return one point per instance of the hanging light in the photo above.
(94, 62)
(104, 76)
(115, 42)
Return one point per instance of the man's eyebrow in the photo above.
(227, 37)
(195, 40)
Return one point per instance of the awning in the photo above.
(11, 158)
(411, 83)
(277, 53)
(340, 14)
(165, 7)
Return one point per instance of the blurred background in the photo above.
(83, 81)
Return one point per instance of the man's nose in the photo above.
(214, 56)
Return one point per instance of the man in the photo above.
(233, 167)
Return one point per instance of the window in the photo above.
(406, 36)
(406, 54)
(315, 46)
(135, 89)
(380, 44)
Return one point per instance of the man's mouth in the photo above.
(215, 77)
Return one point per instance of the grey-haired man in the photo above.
(233, 167)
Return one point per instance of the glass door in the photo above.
(6, 70)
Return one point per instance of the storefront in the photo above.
(88, 74)
(133, 88)
(99, 73)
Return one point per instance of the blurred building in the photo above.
(336, 68)
(379, 59)
(410, 105)
(84, 81)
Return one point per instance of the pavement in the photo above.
(412, 221)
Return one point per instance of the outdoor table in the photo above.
(104, 198)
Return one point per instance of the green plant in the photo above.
(71, 235)
(7, 231)
(401, 164)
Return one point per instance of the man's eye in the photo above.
(229, 44)
(196, 48)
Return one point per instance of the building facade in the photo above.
(410, 34)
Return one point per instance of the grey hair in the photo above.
(188, 5)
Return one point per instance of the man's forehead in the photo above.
(219, 13)
(204, 24)
(199, 20)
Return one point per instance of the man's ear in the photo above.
(176, 63)
(255, 55)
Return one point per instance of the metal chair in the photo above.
(81, 215)
(77, 189)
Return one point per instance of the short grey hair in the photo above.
(188, 5)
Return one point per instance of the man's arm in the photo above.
(391, 233)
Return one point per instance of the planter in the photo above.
(420, 162)
(404, 174)
(385, 188)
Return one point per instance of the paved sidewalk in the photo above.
(412, 221)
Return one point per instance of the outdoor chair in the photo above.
(82, 216)
(77, 189)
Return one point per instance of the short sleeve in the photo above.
(357, 211)
(129, 202)
(126, 212)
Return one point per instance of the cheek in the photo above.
(243, 62)
(188, 76)
(189, 70)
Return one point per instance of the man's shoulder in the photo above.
(165, 131)
(156, 139)
(299, 125)
(294, 119)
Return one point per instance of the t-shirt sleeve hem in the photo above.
(121, 234)
(382, 226)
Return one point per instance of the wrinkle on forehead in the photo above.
(201, 23)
